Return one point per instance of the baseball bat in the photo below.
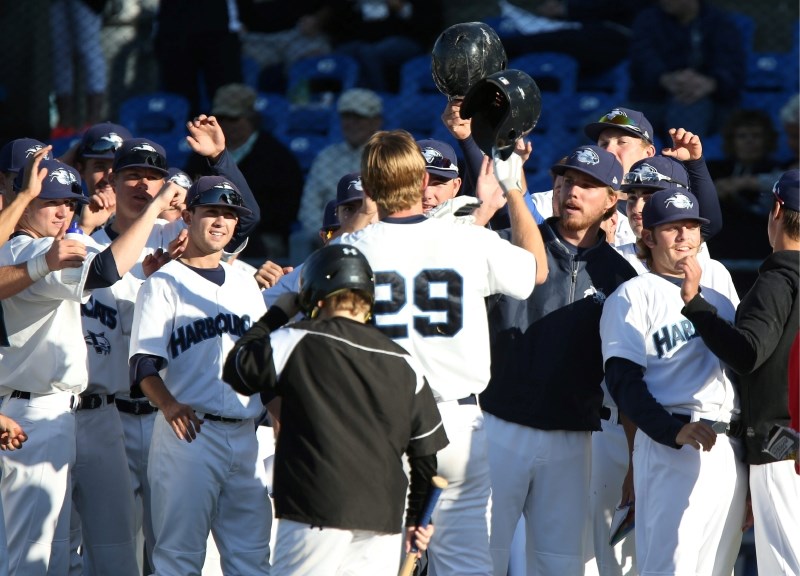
(437, 485)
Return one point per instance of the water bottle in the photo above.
(73, 275)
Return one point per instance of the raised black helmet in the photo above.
(504, 107)
(463, 54)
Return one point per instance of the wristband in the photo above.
(38, 268)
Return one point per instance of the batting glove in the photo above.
(509, 173)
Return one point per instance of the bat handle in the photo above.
(437, 485)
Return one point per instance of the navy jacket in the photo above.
(547, 364)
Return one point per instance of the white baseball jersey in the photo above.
(108, 316)
(642, 322)
(46, 352)
(431, 278)
(192, 323)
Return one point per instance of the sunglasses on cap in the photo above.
(648, 177)
(620, 120)
(438, 162)
(217, 195)
(144, 158)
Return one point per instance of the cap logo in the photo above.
(431, 154)
(63, 176)
(614, 113)
(32, 150)
(680, 201)
(181, 180)
(355, 185)
(587, 156)
(224, 185)
(114, 138)
(146, 147)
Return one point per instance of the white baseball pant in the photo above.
(775, 494)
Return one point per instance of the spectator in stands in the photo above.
(687, 65)
(280, 33)
(269, 167)
(749, 139)
(383, 34)
(361, 114)
(195, 37)
(75, 27)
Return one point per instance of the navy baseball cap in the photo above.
(62, 181)
(180, 178)
(15, 154)
(787, 190)
(216, 191)
(656, 173)
(140, 153)
(329, 219)
(440, 158)
(102, 140)
(349, 189)
(595, 162)
(631, 121)
(670, 205)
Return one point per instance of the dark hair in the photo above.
(749, 117)
(791, 223)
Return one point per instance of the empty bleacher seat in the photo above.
(158, 116)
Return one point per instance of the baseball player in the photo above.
(352, 403)
(758, 347)
(431, 280)
(188, 314)
(139, 169)
(43, 366)
(663, 377)
(13, 157)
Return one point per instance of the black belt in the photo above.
(733, 429)
(215, 418)
(137, 408)
(92, 401)
(27, 396)
(469, 400)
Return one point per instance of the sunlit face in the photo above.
(584, 201)
(627, 148)
(210, 227)
(671, 243)
(634, 206)
(135, 188)
(439, 190)
(44, 218)
(96, 173)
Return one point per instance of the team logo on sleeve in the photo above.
(586, 156)
(598, 296)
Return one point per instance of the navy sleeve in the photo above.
(625, 381)
(226, 167)
(702, 186)
(103, 271)
(422, 469)
(140, 367)
(473, 158)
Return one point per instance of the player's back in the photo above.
(431, 279)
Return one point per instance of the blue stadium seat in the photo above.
(587, 107)
(771, 72)
(614, 83)
(309, 120)
(747, 28)
(420, 114)
(273, 108)
(555, 74)
(250, 72)
(416, 78)
(309, 79)
(504, 27)
(305, 148)
(158, 116)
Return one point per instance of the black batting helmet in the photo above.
(331, 269)
(463, 54)
(504, 107)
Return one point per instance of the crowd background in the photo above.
(151, 64)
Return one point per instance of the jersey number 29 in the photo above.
(451, 302)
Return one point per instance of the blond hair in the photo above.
(393, 170)
(354, 302)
